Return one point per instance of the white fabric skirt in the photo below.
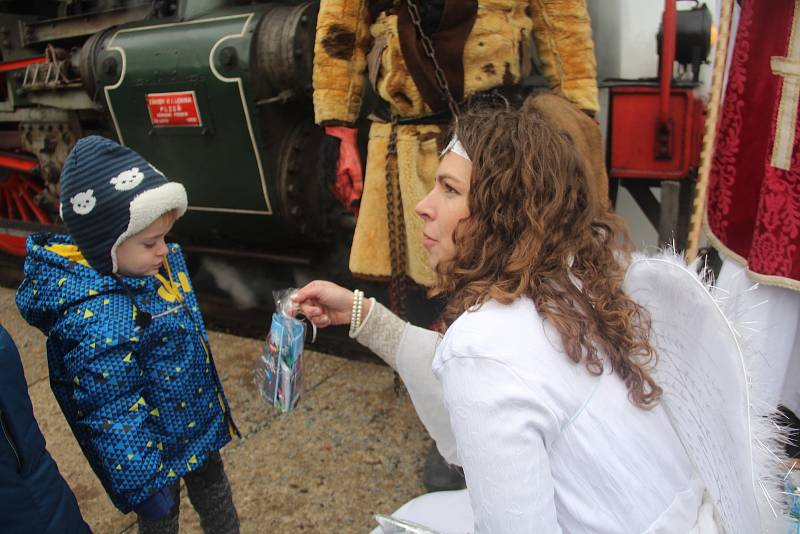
(445, 512)
(450, 512)
(769, 319)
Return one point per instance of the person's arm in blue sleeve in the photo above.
(111, 416)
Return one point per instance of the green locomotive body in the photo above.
(216, 94)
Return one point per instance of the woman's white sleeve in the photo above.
(409, 350)
(502, 430)
(414, 365)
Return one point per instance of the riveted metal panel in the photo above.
(220, 162)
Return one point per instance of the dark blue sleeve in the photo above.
(16, 404)
(33, 495)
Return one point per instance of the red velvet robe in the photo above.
(753, 212)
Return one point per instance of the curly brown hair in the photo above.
(536, 230)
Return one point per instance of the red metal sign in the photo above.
(173, 109)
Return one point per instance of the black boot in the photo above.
(163, 525)
(210, 494)
(438, 475)
(791, 422)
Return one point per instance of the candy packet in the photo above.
(792, 491)
(280, 372)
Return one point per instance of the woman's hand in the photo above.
(326, 304)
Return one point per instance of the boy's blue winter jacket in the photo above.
(145, 404)
(34, 499)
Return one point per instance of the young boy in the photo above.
(126, 345)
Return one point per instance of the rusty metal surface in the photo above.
(46, 31)
(50, 142)
(285, 50)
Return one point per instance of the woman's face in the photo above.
(444, 207)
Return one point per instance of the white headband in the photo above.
(456, 148)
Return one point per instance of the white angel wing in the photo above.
(703, 372)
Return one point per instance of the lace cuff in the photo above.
(381, 332)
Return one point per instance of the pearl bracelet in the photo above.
(355, 314)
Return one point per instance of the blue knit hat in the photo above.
(110, 193)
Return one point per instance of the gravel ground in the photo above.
(351, 449)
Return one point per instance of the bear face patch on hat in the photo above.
(110, 193)
(127, 180)
(83, 202)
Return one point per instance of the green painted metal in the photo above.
(220, 162)
(188, 9)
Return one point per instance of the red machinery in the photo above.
(656, 127)
(18, 185)
(18, 188)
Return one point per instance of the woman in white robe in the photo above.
(541, 388)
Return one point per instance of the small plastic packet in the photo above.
(792, 491)
(280, 372)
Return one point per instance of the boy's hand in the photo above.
(326, 304)
(157, 505)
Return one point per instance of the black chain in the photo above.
(430, 51)
(396, 222)
(397, 237)
(394, 197)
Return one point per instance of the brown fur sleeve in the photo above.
(340, 60)
(563, 35)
